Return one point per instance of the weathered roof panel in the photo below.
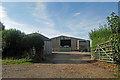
(69, 37)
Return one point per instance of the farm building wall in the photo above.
(47, 47)
(75, 44)
(84, 45)
(56, 44)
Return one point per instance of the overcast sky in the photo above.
(53, 19)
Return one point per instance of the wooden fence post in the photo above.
(112, 51)
(99, 53)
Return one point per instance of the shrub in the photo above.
(112, 32)
(35, 41)
(2, 27)
(100, 35)
(17, 45)
(12, 41)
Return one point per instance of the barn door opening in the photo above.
(65, 45)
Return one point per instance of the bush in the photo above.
(106, 33)
(18, 45)
(101, 35)
(12, 41)
(2, 27)
(112, 32)
(35, 41)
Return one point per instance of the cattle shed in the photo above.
(65, 43)
(47, 45)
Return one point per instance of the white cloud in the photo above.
(9, 23)
(49, 32)
(50, 24)
(41, 15)
(47, 23)
(84, 26)
(39, 11)
(77, 14)
(85, 23)
(2, 12)
(48, 29)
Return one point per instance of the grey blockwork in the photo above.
(47, 47)
(76, 44)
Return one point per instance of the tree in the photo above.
(114, 24)
(2, 27)
(35, 41)
(16, 44)
(12, 41)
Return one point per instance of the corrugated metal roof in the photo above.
(69, 37)
(44, 37)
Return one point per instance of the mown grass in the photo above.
(116, 75)
(17, 61)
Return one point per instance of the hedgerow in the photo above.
(17, 45)
(107, 33)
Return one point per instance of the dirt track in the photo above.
(59, 65)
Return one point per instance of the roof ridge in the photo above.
(67, 36)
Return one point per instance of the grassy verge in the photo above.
(17, 61)
(116, 75)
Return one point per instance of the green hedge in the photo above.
(102, 34)
(12, 41)
(106, 33)
(16, 44)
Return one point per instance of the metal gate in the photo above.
(104, 52)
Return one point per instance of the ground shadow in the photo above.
(66, 58)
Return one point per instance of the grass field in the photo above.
(16, 61)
